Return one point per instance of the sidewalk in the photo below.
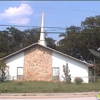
(46, 95)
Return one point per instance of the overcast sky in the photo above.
(57, 13)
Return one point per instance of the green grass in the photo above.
(46, 87)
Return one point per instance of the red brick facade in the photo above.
(38, 64)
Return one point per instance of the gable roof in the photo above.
(35, 44)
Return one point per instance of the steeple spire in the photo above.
(42, 34)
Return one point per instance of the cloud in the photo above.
(17, 14)
(23, 9)
(21, 21)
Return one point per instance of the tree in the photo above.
(73, 29)
(3, 67)
(96, 63)
(4, 47)
(10, 40)
(13, 39)
(91, 22)
(78, 40)
(66, 76)
(51, 43)
(31, 36)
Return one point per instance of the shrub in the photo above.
(67, 76)
(78, 80)
(3, 67)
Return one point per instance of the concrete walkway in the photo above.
(46, 95)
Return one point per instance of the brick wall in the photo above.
(38, 64)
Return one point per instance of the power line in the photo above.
(61, 28)
(52, 30)
(45, 32)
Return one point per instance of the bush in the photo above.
(67, 76)
(78, 80)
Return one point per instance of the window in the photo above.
(55, 71)
(19, 72)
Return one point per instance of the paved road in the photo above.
(81, 98)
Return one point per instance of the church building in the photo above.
(38, 62)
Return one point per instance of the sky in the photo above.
(58, 14)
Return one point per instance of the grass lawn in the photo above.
(46, 87)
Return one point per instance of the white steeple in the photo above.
(42, 34)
